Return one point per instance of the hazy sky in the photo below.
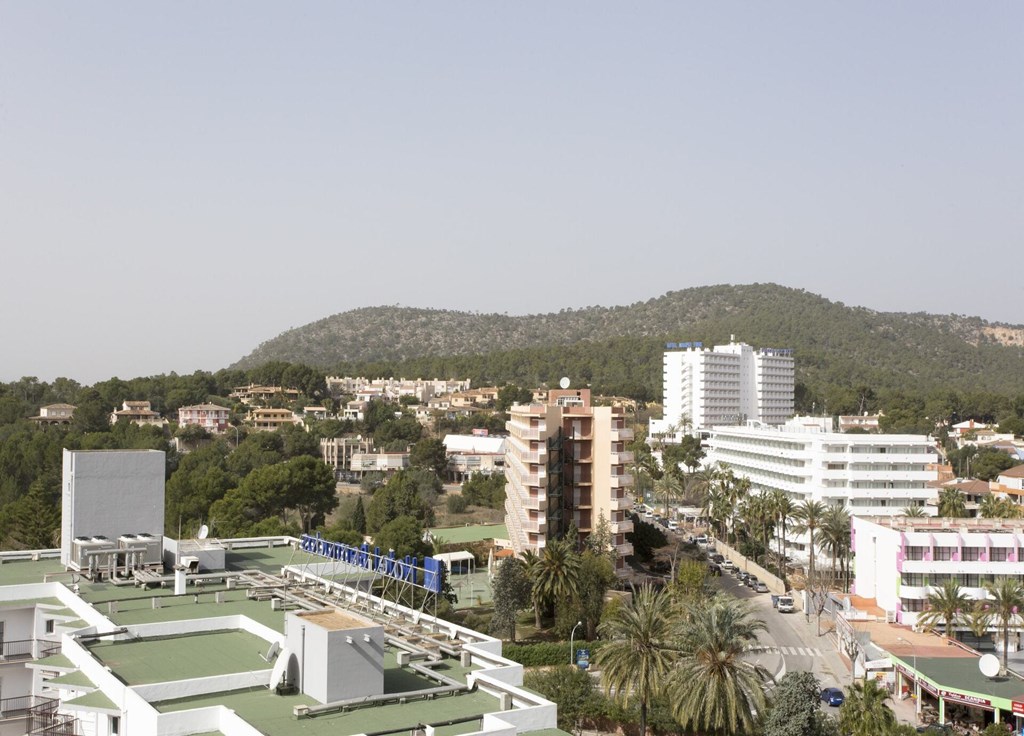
(181, 181)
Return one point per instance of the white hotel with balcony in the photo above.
(900, 560)
(868, 474)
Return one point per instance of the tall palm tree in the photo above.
(638, 657)
(952, 503)
(913, 512)
(669, 486)
(945, 605)
(557, 576)
(810, 515)
(714, 687)
(1005, 600)
(532, 561)
(835, 536)
(865, 713)
(784, 510)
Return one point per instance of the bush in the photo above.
(548, 653)
(457, 504)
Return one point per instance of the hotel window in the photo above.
(971, 554)
(997, 554)
(913, 605)
(915, 553)
(969, 581)
(942, 553)
(913, 578)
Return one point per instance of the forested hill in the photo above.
(616, 346)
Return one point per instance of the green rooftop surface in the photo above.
(962, 674)
(72, 679)
(56, 661)
(464, 534)
(24, 603)
(95, 699)
(144, 661)
(27, 571)
(273, 713)
(263, 558)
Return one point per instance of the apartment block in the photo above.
(869, 474)
(565, 463)
(729, 384)
(210, 417)
(899, 561)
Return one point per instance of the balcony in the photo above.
(622, 503)
(622, 435)
(19, 650)
(621, 481)
(622, 458)
(624, 550)
(622, 527)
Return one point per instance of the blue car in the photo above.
(833, 696)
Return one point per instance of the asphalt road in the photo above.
(786, 649)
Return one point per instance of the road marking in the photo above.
(788, 651)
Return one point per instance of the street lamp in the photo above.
(572, 634)
(917, 677)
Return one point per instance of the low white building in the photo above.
(900, 560)
(868, 474)
(468, 454)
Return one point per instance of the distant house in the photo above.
(378, 462)
(210, 417)
(271, 420)
(254, 394)
(355, 410)
(866, 422)
(468, 454)
(54, 414)
(138, 412)
(338, 452)
(1010, 482)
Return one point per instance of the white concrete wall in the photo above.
(110, 493)
(177, 689)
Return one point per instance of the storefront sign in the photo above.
(1018, 708)
(925, 685)
(956, 697)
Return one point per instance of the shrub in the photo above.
(457, 504)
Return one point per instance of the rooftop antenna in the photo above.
(564, 382)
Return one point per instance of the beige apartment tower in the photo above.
(565, 463)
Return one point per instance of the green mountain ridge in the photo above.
(619, 348)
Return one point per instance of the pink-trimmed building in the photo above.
(210, 417)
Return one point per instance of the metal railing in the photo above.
(21, 649)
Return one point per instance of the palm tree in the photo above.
(557, 576)
(809, 516)
(835, 536)
(784, 510)
(945, 604)
(864, 713)
(714, 688)
(978, 619)
(993, 507)
(1005, 599)
(669, 486)
(532, 561)
(637, 658)
(913, 512)
(952, 503)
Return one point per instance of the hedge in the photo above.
(547, 653)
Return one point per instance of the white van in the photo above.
(673, 526)
(786, 604)
(702, 540)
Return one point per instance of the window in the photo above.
(49, 626)
(997, 554)
(969, 581)
(915, 553)
(115, 725)
(942, 553)
(971, 554)
(913, 578)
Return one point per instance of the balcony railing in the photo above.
(20, 649)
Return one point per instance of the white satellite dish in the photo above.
(989, 665)
(204, 532)
(564, 383)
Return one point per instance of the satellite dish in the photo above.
(564, 383)
(989, 665)
(275, 648)
(204, 532)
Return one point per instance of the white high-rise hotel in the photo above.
(729, 384)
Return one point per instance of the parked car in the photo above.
(673, 526)
(702, 540)
(751, 581)
(760, 587)
(718, 558)
(728, 565)
(786, 604)
(743, 577)
(833, 696)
